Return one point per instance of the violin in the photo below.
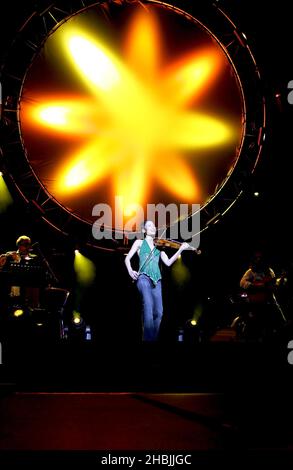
(161, 242)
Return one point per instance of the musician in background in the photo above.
(23, 255)
(148, 278)
(259, 280)
(260, 284)
(23, 252)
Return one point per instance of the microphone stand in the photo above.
(44, 259)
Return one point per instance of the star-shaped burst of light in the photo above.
(140, 125)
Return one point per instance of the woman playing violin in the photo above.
(148, 278)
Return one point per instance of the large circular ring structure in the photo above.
(129, 104)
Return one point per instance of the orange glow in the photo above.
(71, 116)
(86, 167)
(146, 130)
(139, 127)
(190, 76)
(194, 130)
(144, 35)
(128, 184)
(180, 181)
(95, 62)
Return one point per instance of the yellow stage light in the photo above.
(76, 318)
(5, 196)
(196, 314)
(85, 269)
(18, 312)
(180, 273)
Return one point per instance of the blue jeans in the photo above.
(152, 306)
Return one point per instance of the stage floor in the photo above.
(87, 427)
(218, 401)
(114, 421)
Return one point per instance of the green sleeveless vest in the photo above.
(149, 263)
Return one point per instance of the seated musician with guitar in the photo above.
(260, 284)
(148, 276)
(259, 280)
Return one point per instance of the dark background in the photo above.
(111, 304)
